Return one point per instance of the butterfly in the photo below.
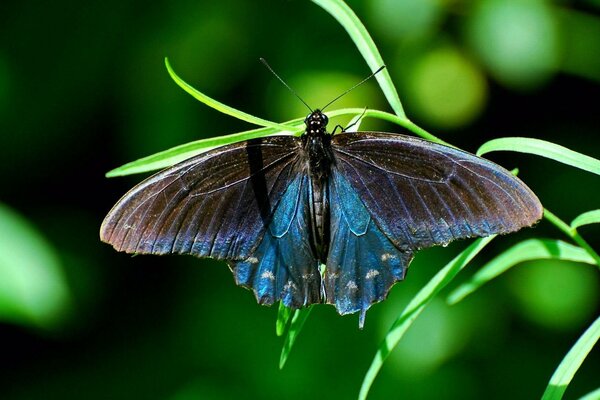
(278, 208)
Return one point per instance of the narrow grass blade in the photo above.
(359, 34)
(531, 249)
(587, 218)
(571, 363)
(220, 106)
(354, 124)
(386, 116)
(296, 325)
(593, 395)
(416, 306)
(572, 233)
(544, 149)
(182, 152)
(283, 317)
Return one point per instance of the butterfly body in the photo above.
(361, 203)
(319, 158)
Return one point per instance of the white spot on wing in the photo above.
(351, 285)
(387, 256)
(268, 275)
(252, 260)
(290, 286)
(372, 273)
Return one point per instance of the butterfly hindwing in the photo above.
(216, 204)
(363, 263)
(283, 266)
(422, 194)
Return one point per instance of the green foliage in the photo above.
(571, 363)
(296, 325)
(416, 307)
(542, 148)
(532, 249)
(587, 218)
(363, 41)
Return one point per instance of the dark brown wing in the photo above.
(422, 194)
(217, 204)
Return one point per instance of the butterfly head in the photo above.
(316, 124)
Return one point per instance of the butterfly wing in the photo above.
(221, 204)
(283, 266)
(422, 194)
(363, 263)
(393, 194)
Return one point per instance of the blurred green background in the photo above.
(83, 89)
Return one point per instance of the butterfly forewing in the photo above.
(217, 204)
(422, 194)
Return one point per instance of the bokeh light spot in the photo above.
(446, 89)
(33, 290)
(405, 18)
(555, 294)
(517, 40)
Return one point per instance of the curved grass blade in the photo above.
(593, 395)
(220, 106)
(587, 218)
(571, 363)
(544, 149)
(283, 317)
(531, 249)
(182, 152)
(416, 306)
(386, 116)
(572, 233)
(296, 325)
(360, 36)
(354, 124)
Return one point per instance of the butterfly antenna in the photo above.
(262, 60)
(353, 87)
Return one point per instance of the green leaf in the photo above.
(593, 395)
(359, 34)
(296, 325)
(354, 124)
(33, 288)
(544, 149)
(531, 249)
(572, 233)
(283, 317)
(182, 152)
(222, 107)
(571, 363)
(587, 218)
(416, 306)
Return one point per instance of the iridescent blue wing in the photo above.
(220, 204)
(422, 194)
(363, 263)
(393, 194)
(283, 266)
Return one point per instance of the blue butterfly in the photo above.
(360, 203)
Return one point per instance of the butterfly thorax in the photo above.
(317, 148)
